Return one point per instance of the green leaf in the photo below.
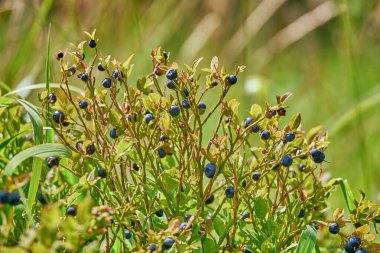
(41, 151)
(261, 208)
(307, 241)
(209, 246)
(348, 196)
(43, 86)
(295, 121)
(4, 143)
(255, 111)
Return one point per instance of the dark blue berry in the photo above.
(41, 199)
(84, 77)
(317, 155)
(168, 243)
(163, 138)
(90, 149)
(210, 169)
(58, 117)
(160, 213)
(174, 110)
(186, 92)
(128, 234)
(354, 242)
(362, 251)
(334, 228)
(248, 121)
(227, 120)
(183, 225)
(244, 215)
(113, 133)
(161, 152)
(135, 166)
(302, 213)
(229, 192)
(210, 199)
(92, 43)
(165, 54)
(256, 176)
(171, 84)
(255, 128)
(187, 217)
(52, 162)
(52, 98)
(149, 117)
(115, 74)
(83, 104)
(246, 250)
(14, 199)
(265, 135)
(100, 67)
(4, 197)
(202, 106)
(232, 79)
(153, 247)
(171, 74)
(72, 211)
(102, 173)
(107, 82)
(186, 104)
(348, 248)
(244, 183)
(301, 167)
(290, 137)
(287, 160)
(59, 55)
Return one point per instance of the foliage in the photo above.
(141, 170)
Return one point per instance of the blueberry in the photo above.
(362, 251)
(354, 242)
(163, 138)
(102, 173)
(187, 217)
(115, 74)
(107, 82)
(84, 77)
(83, 104)
(290, 137)
(232, 79)
(14, 199)
(227, 120)
(174, 110)
(210, 169)
(171, 74)
(153, 247)
(59, 55)
(229, 192)
(246, 250)
(244, 215)
(214, 83)
(58, 117)
(161, 152)
(334, 228)
(287, 160)
(113, 133)
(301, 167)
(348, 248)
(41, 199)
(210, 199)
(186, 92)
(171, 84)
(256, 176)
(248, 121)
(72, 211)
(4, 197)
(52, 162)
(297, 150)
(255, 128)
(149, 117)
(128, 234)
(165, 54)
(186, 104)
(100, 67)
(90, 149)
(244, 183)
(317, 155)
(72, 70)
(265, 135)
(160, 213)
(135, 166)
(52, 98)
(92, 43)
(302, 213)
(202, 106)
(183, 225)
(168, 243)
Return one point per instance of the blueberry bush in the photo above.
(155, 166)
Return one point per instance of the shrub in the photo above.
(150, 172)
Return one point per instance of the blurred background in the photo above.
(327, 52)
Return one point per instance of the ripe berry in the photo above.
(265, 135)
(362, 251)
(165, 54)
(92, 43)
(14, 199)
(171, 84)
(244, 183)
(102, 173)
(4, 197)
(317, 155)
(290, 137)
(187, 217)
(59, 55)
(171, 74)
(128, 234)
(84, 77)
(287, 160)
(52, 162)
(244, 215)
(334, 228)
(83, 104)
(301, 167)
(72, 211)
(72, 70)
(149, 117)
(168, 243)
(186, 104)
(58, 117)
(163, 138)
(245, 250)
(348, 248)
(113, 133)
(202, 106)
(52, 98)
(161, 152)
(41, 199)
(229, 192)
(135, 166)
(100, 67)
(354, 242)
(232, 79)
(210, 169)
(106, 82)
(255, 128)
(183, 225)
(153, 247)
(186, 92)
(210, 199)
(90, 149)
(227, 120)
(256, 176)
(174, 110)
(160, 213)
(248, 121)
(302, 213)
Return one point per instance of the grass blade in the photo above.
(41, 151)
(348, 195)
(307, 240)
(43, 86)
(4, 143)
